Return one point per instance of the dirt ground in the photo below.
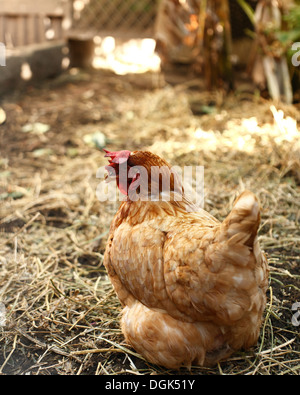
(59, 312)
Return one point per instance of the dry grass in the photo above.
(62, 316)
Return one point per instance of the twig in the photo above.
(44, 346)
(22, 229)
(10, 354)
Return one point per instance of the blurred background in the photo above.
(191, 37)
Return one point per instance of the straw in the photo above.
(62, 316)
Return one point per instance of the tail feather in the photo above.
(244, 218)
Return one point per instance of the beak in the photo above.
(111, 155)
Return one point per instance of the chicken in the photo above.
(193, 288)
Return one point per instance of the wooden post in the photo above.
(214, 41)
(272, 56)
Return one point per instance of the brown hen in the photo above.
(193, 288)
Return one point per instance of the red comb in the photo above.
(117, 156)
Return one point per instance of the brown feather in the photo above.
(193, 289)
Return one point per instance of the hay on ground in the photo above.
(61, 314)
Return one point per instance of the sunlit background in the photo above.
(132, 56)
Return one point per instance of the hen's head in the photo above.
(140, 171)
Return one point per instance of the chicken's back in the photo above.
(193, 289)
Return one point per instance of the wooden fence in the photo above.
(115, 16)
(29, 21)
(25, 22)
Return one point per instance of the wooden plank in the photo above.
(30, 30)
(54, 7)
(9, 29)
(22, 30)
(2, 37)
(19, 35)
(56, 25)
(23, 22)
(40, 30)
